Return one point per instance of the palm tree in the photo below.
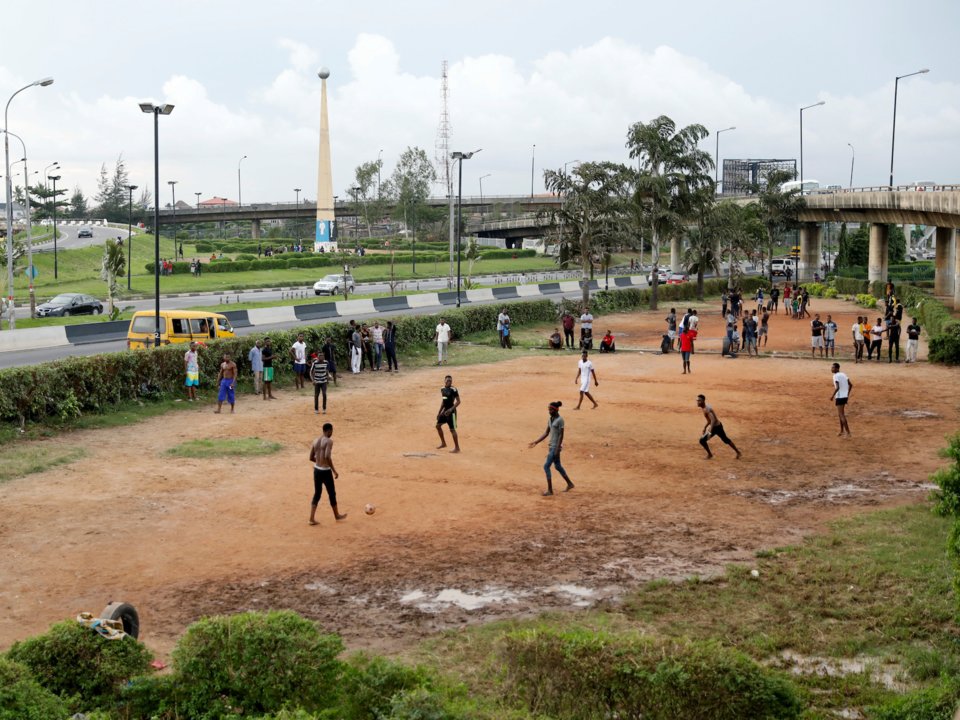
(700, 256)
(589, 217)
(672, 169)
(739, 229)
(778, 210)
(112, 266)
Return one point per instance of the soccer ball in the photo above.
(369, 509)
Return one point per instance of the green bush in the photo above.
(851, 286)
(830, 292)
(934, 703)
(23, 698)
(149, 696)
(815, 289)
(370, 684)
(582, 675)
(74, 662)
(867, 300)
(945, 347)
(255, 663)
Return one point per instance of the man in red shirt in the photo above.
(686, 348)
(568, 322)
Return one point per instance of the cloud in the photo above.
(573, 105)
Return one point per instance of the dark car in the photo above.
(66, 304)
(85, 232)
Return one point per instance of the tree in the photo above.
(78, 204)
(858, 246)
(843, 249)
(111, 195)
(672, 171)
(590, 216)
(896, 245)
(739, 230)
(112, 266)
(700, 255)
(472, 255)
(411, 181)
(778, 210)
(365, 178)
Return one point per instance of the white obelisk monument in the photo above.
(325, 240)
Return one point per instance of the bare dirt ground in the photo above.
(465, 538)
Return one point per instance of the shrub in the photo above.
(830, 292)
(255, 663)
(851, 286)
(23, 698)
(945, 347)
(934, 703)
(583, 675)
(73, 661)
(815, 289)
(246, 256)
(867, 300)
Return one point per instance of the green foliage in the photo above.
(77, 664)
(255, 663)
(934, 703)
(867, 300)
(232, 447)
(581, 675)
(370, 684)
(947, 502)
(23, 698)
(815, 289)
(830, 292)
(417, 704)
(945, 347)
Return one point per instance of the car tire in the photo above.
(317, 292)
(97, 310)
(66, 313)
(125, 613)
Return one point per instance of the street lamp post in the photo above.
(356, 214)
(26, 196)
(297, 216)
(533, 161)
(196, 231)
(716, 158)
(6, 153)
(459, 157)
(822, 102)
(130, 189)
(379, 165)
(893, 134)
(481, 194)
(853, 155)
(156, 111)
(55, 165)
(239, 185)
(54, 178)
(173, 191)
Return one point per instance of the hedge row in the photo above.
(252, 665)
(307, 260)
(70, 387)
(585, 675)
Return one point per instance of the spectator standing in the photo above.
(829, 337)
(298, 353)
(893, 339)
(567, 321)
(390, 346)
(442, 338)
(816, 336)
(266, 356)
(255, 357)
(876, 339)
(356, 350)
(913, 340)
(376, 337)
(586, 329)
(191, 365)
(857, 331)
(320, 377)
(329, 351)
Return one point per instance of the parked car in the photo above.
(85, 232)
(66, 304)
(333, 284)
(662, 275)
(678, 279)
(781, 267)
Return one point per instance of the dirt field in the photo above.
(464, 538)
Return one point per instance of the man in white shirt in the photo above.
(442, 338)
(586, 329)
(584, 370)
(298, 351)
(842, 387)
(857, 341)
(829, 337)
(502, 319)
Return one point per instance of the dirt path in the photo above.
(462, 538)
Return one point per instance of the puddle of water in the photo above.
(582, 596)
(452, 596)
(885, 675)
(320, 587)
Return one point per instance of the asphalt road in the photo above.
(68, 239)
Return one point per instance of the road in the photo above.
(68, 239)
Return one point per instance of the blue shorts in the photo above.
(299, 368)
(226, 391)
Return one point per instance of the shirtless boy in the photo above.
(324, 473)
(227, 380)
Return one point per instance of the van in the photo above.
(176, 326)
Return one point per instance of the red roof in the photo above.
(217, 201)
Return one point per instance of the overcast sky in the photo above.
(569, 77)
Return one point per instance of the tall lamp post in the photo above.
(822, 102)
(356, 214)
(6, 153)
(297, 219)
(533, 162)
(54, 178)
(197, 229)
(716, 159)
(481, 194)
(156, 111)
(853, 155)
(55, 165)
(173, 191)
(459, 157)
(26, 196)
(893, 134)
(379, 165)
(239, 185)
(130, 189)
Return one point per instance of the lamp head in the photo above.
(172, 182)
(53, 177)
(44, 82)
(323, 73)
(822, 102)
(147, 107)
(131, 188)
(922, 72)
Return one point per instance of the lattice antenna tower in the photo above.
(444, 131)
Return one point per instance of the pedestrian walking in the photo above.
(320, 377)
(584, 370)
(555, 431)
(442, 338)
(842, 387)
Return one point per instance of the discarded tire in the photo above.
(125, 613)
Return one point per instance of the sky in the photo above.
(566, 77)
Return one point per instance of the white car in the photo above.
(333, 284)
(662, 275)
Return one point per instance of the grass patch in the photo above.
(876, 587)
(20, 459)
(237, 447)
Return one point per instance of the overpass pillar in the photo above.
(944, 282)
(810, 238)
(676, 249)
(879, 252)
(255, 229)
(956, 269)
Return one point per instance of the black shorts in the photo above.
(842, 401)
(323, 479)
(716, 430)
(450, 420)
